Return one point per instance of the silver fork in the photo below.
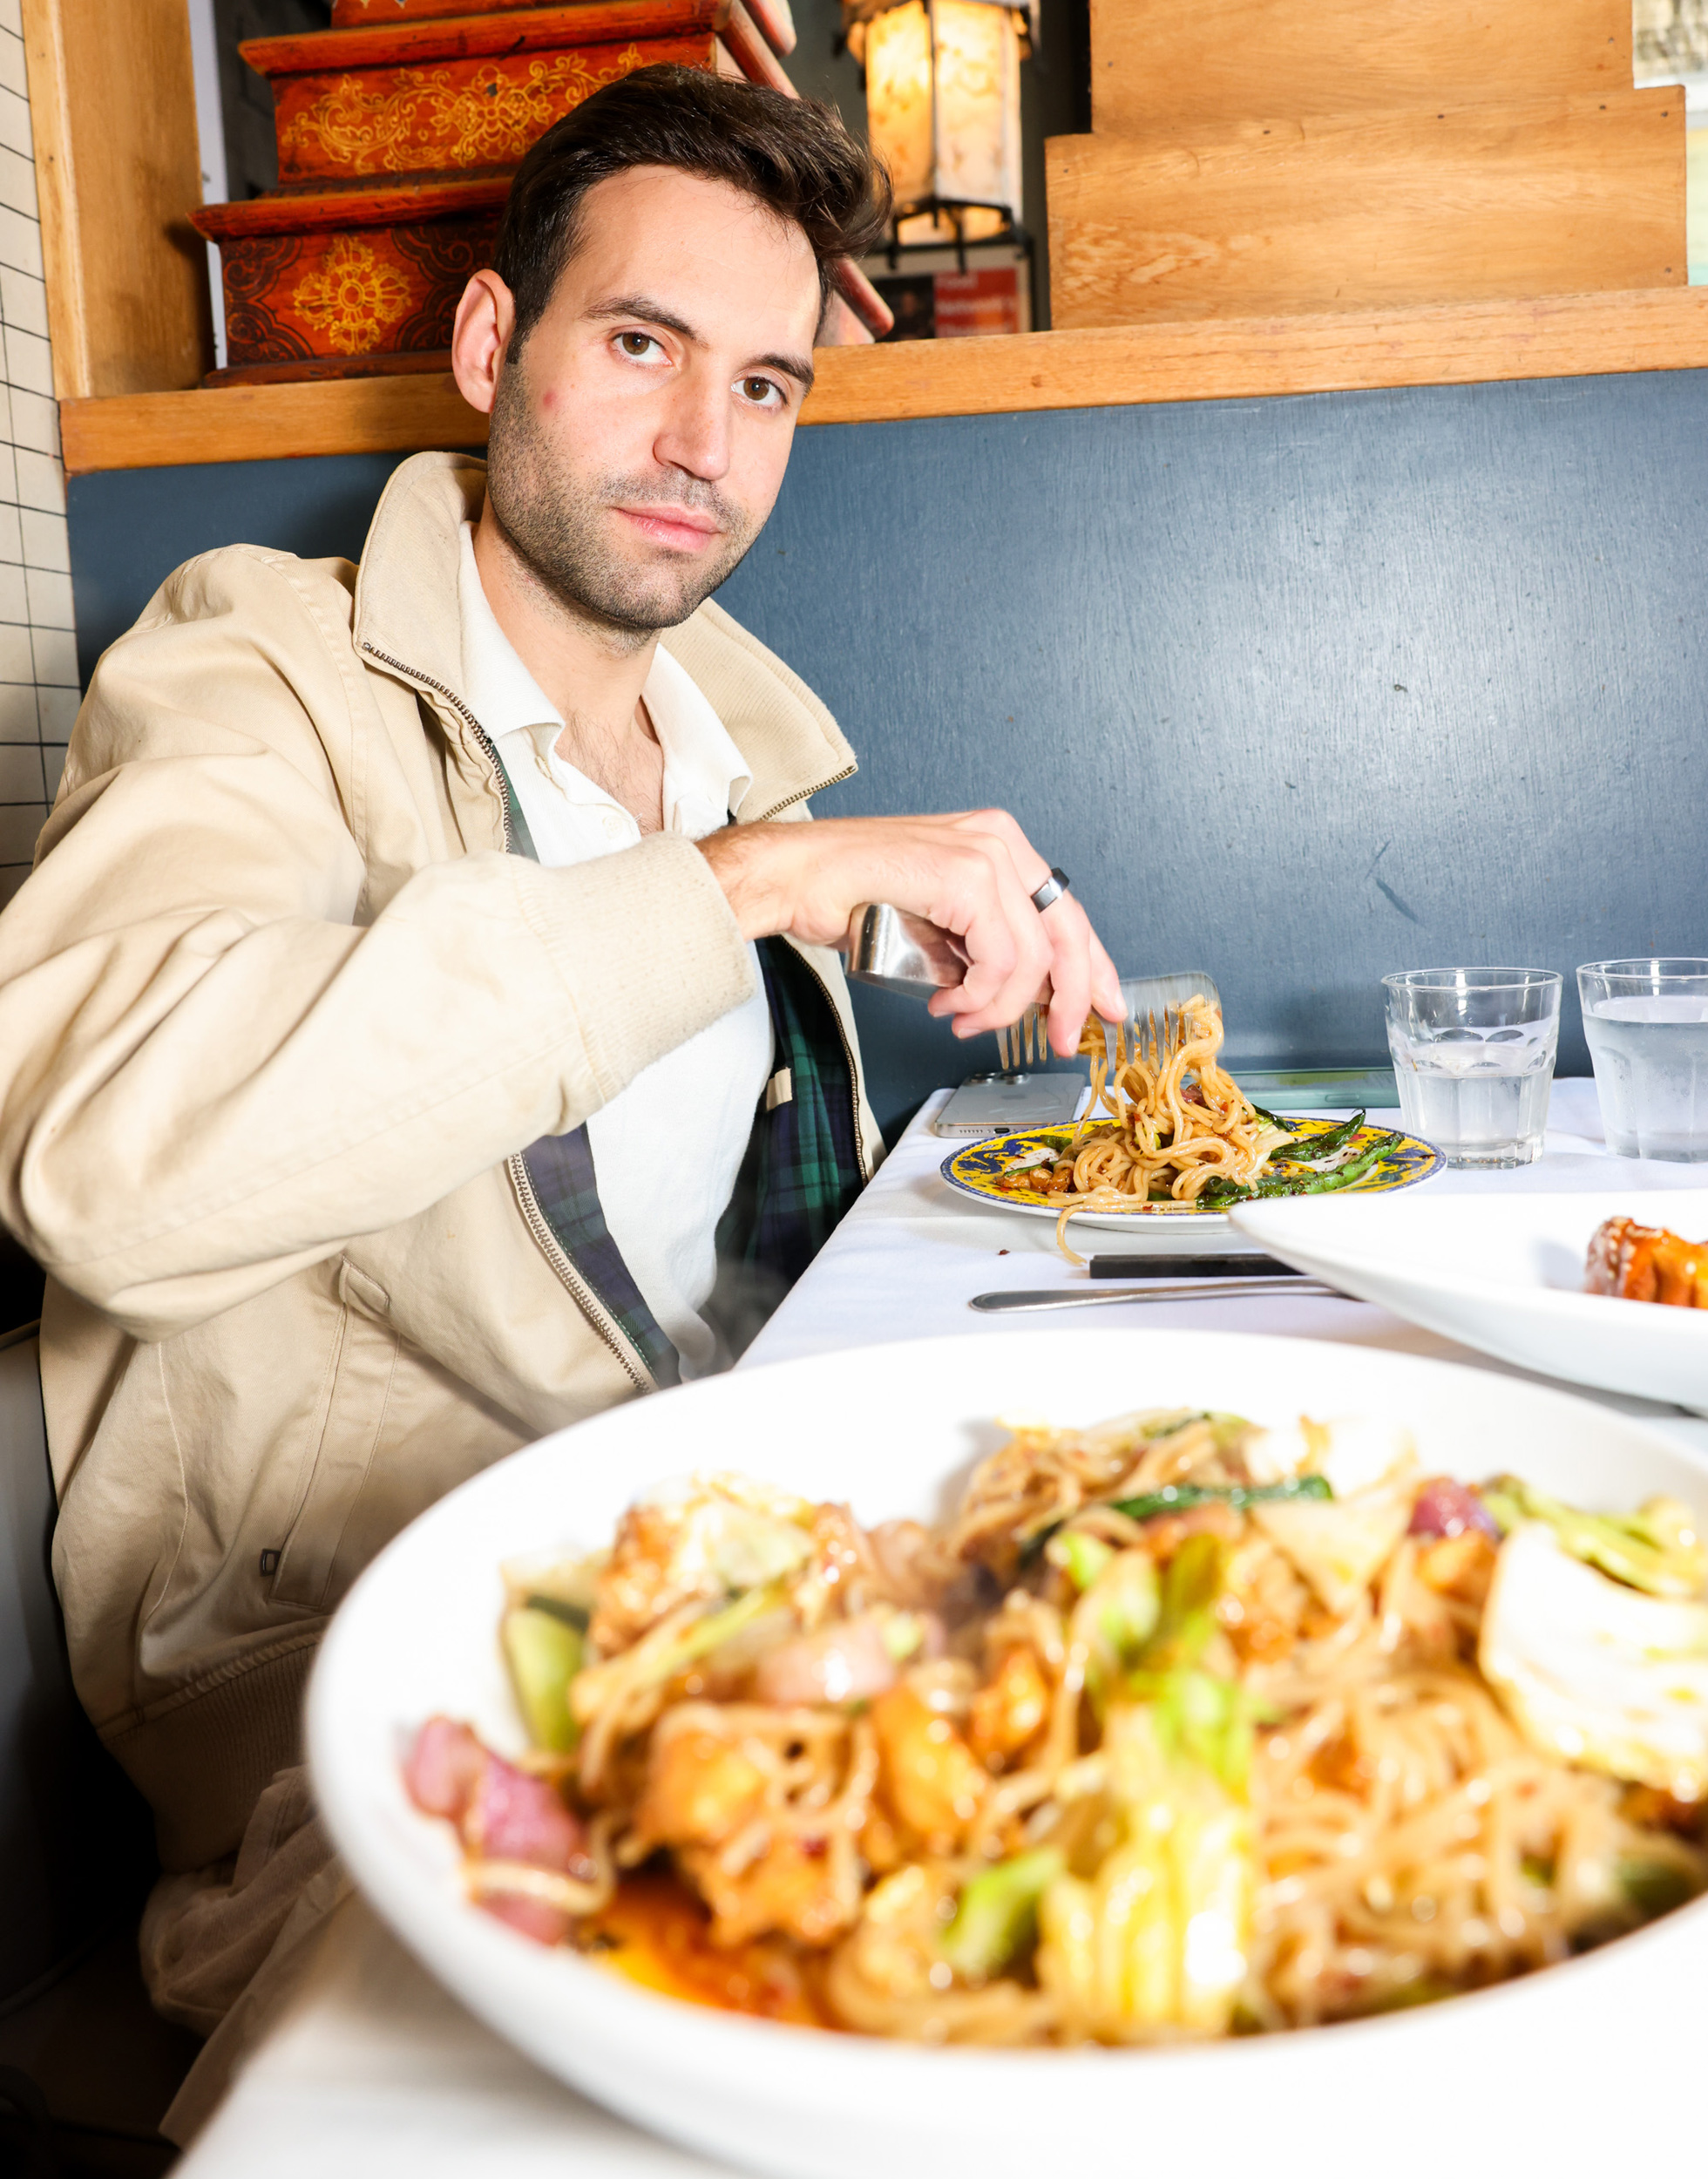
(1155, 1024)
(1028, 1043)
(1156, 1020)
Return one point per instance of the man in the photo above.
(395, 1031)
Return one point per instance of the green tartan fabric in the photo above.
(565, 1187)
(803, 1165)
(800, 1172)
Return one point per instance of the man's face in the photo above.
(638, 440)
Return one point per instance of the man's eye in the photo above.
(638, 345)
(763, 392)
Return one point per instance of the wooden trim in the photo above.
(467, 38)
(55, 198)
(372, 201)
(1225, 359)
(113, 110)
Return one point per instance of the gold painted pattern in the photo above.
(353, 297)
(488, 120)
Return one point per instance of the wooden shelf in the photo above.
(1216, 359)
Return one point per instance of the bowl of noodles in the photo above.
(1105, 1747)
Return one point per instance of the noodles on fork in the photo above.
(1177, 1121)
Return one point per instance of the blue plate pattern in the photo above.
(978, 1168)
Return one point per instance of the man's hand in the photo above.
(973, 873)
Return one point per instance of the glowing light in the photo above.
(943, 111)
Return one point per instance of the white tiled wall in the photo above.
(39, 684)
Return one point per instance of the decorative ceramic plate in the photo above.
(980, 1170)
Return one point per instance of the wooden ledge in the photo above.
(1211, 359)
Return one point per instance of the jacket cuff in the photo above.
(647, 947)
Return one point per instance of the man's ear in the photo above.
(485, 318)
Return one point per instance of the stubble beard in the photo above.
(558, 526)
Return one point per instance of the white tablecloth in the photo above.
(378, 2070)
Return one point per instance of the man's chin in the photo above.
(663, 598)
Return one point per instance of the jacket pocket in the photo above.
(354, 1418)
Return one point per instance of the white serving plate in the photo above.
(1506, 1275)
(1537, 2073)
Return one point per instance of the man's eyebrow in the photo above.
(644, 307)
(796, 367)
(651, 313)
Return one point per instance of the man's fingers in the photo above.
(1105, 981)
(1003, 933)
(1071, 941)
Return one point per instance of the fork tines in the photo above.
(1153, 1042)
(1026, 1044)
(1153, 1038)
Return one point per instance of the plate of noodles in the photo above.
(1245, 1736)
(1168, 1134)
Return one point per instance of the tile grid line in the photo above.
(38, 674)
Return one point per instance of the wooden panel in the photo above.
(772, 16)
(472, 37)
(1380, 209)
(355, 15)
(311, 211)
(1560, 336)
(118, 172)
(1156, 64)
(440, 117)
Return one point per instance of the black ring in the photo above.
(1051, 890)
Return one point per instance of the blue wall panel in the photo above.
(1297, 691)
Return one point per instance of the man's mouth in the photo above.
(680, 529)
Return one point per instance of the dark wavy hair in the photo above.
(792, 155)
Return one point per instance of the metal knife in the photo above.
(1020, 1298)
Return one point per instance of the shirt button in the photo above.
(614, 822)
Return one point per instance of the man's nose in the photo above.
(694, 433)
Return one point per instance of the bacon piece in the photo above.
(1445, 1507)
(501, 1814)
(1647, 1263)
(514, 1817)
(443, 1767)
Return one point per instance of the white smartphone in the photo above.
(1001, 1105)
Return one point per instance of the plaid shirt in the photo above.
(800, 1172)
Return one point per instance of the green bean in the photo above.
(1180, 1497)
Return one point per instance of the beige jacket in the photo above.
(277, 1016)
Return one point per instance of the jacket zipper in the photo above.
(801, 795)
(489, 748)
(579, 1292)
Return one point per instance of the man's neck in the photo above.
(592, 675)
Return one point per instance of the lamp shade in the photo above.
(943, 108)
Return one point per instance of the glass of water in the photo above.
(1473, 1055)
(1647, 1024)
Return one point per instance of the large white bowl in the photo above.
(1583, 2062)
(1505, 1274)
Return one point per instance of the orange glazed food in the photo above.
(1646, 1263)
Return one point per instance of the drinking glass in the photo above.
(1647, 1024)
(1473, 1055)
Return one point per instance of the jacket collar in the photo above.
(407, 621)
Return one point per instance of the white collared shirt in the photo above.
(667, 1148)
